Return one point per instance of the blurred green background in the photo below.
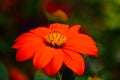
(99, 18)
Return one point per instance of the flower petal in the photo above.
(37, 55)
(83, 44)
(40, 31)
(72, 30)
(54, 66)
(43, 57)
(59, 27)
(86, 38)
(82, 38)
(29, 39)
(27, 51)
(74, 61)
(87, 50)
(27, 34)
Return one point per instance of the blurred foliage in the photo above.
(3, 72)
(99, 19)
(42, 76)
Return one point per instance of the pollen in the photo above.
(56, 39)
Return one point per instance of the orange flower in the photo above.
(55, 46)
(56, 10)
(58, 15)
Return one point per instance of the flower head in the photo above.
(56, 10)
(55, 46)
(59, 15)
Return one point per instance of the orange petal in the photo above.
(25, 40)
(27, 34)
(41, 31)
(83, 44)
(59, 27)
(27, 51)
(87, 50)
(54, 66)
(37, 55)
(74, 61)
(83, 38)
(43, 57)
(72, 30)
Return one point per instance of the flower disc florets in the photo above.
(56, 39)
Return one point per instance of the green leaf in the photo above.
(42, 77)
(3, 72)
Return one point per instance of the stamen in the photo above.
(56, 39)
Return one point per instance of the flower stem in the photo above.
(58, 76)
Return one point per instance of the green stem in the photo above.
(58, 76)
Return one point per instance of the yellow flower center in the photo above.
(56, 39)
